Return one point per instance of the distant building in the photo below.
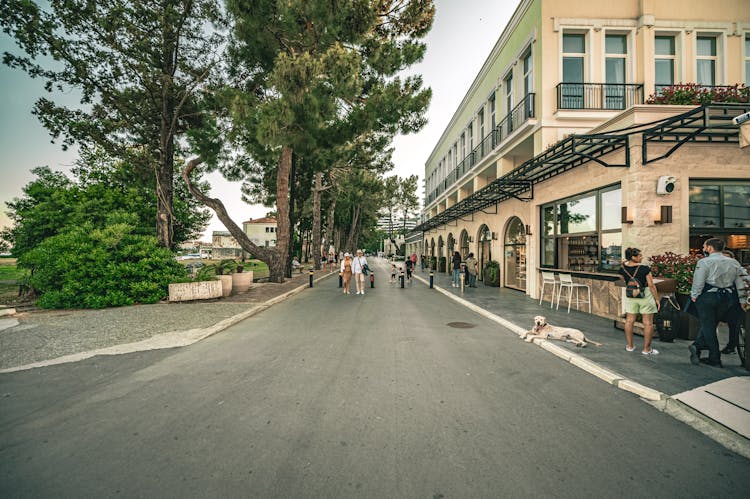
(261, 231)
(224, 245)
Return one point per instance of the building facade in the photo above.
(261, 231)
(555, 159)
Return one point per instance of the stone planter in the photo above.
(241, 281)
(200, 290)
(488, 281)
(226, 284)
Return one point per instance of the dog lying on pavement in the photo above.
(545, 331)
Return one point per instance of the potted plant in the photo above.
(433, 263)
(491, 273)
(441, 264)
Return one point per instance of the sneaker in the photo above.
(653, 351)
(695, 355)
(727, 350)
(630, 349)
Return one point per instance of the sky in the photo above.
(461, 38)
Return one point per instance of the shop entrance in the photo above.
(515, 255)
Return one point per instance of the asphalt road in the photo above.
(333, 396)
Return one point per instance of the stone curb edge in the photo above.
(659, 400)
(171, 339)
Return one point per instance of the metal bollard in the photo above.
(462, 278)
(372, 279)
(432, 278)
(341, 280)
(402, 278)
(311, 277)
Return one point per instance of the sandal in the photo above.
(653, 351)
(630, 349)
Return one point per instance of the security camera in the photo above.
(738, 120)
(665, 184)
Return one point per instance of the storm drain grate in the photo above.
(461, 325)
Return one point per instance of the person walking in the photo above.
(717, 282)
(472, 267)
(409, 264)
(456, 267)
(736, 313)
(358, 266)
(422, 259)
(644, 299)
(346, 272)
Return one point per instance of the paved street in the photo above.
(330, 396)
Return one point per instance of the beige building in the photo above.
(261, 231)
(224, 245)
(557, 159)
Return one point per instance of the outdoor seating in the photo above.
(548, 278)
(566, 282)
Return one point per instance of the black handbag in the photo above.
(666, 321)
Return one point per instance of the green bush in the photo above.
(96, 268)
(492, 273)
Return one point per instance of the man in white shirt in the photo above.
(358, 265)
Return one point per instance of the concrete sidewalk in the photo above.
(713, 400)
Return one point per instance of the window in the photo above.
(470, 133)
(528, 74)
(719, 205)
(573, 66)
(584, 232)
(509, 100)
(492, 111)
(455, 154)
(463, 145)
(706, 60)
(664, 62)
(747, 60)
(616, 47)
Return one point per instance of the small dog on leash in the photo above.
(545, 331)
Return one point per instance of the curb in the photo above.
(172, 339)
(659, 400)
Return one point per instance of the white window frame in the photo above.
(674, 57)
(509, 98)
(586, 32)
(719, 36)
(745, 58)
(629, 69)
(492, 104)
(528, 75)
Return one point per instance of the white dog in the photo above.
(545, 331)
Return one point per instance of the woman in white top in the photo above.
(359, 278)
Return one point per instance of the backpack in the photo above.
(666, 320)
(633, 288)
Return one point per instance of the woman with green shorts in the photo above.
(647, 304)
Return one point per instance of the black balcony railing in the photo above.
(511, 122)
(598, 95)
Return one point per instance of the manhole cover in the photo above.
(461, 325)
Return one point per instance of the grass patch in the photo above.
(11, 272)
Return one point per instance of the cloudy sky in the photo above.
(461, 38)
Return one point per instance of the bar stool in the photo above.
(548, 278)
(566, 281)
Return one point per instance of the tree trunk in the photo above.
(350, 242)
(165, 169)
(282, 214)
(270, 256)
(317, 190)
(292, 215)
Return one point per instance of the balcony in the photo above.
(605, 96)
(509, 124)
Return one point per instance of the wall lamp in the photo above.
(666, 215)
(528, 230)
(624, 216)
